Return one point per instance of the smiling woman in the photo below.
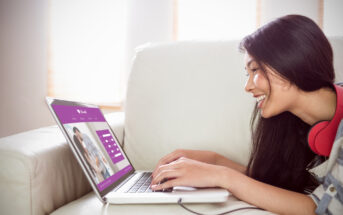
(299, 96)
(293, 63)
(289, 62)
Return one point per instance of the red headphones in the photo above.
(322, 134)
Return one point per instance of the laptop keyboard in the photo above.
(142, 185)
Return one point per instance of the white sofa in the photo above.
(180, 95)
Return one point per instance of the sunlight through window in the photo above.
(216, 19)
(87, 46)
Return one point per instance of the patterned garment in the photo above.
(329, 195)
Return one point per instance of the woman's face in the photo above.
(270, 89)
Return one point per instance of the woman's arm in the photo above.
(223, 161)
(187, 172)
(268, 197)
(203, 156)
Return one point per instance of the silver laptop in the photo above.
(108, 169)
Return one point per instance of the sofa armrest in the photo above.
(38, 173)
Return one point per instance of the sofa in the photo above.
(186, 94)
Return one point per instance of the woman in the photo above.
(289, 64)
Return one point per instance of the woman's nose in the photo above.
(249, 85)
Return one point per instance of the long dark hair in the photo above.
(296, 48)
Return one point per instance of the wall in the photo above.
(23, 65)
(332, 22)
(24, 55)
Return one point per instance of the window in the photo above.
(87, 46)
(90, 49)
(216, 19)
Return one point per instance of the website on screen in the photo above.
(90, 133)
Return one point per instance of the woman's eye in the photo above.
(254, 70)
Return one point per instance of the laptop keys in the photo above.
(143, 185)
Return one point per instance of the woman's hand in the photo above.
(203, 156)
(186, 172)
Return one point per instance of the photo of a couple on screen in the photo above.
(93, 156)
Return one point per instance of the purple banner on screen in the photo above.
(110, 180)
(73, 114)
(110, 145)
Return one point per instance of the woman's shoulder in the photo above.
(327, 194)
(323, 168)
(337, 147)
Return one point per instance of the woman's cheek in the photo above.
(257, 80)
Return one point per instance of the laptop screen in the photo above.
(102, 155)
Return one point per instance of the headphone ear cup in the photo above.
(315, 141)
(322, 134)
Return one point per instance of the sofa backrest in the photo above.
(191, 95)
(187, 95)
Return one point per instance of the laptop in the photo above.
(104, 162)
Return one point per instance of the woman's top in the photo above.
(329, 195)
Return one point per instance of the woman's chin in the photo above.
(268, 114)
(265, 114)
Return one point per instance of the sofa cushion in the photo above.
(90, 205)
(187, 95)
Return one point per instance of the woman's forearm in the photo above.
(265, 196)
(223, 161)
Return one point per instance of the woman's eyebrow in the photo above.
(249, 62)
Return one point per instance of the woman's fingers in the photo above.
(166, 160)
(186, 172)
(163, 169)
(168, 184)
(165, 176)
